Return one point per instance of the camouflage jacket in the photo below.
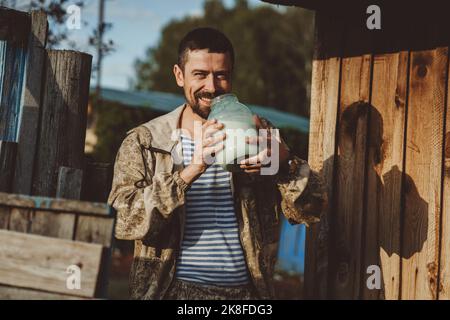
(149, 196)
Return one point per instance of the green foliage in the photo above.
(273, 53)
(114, 120)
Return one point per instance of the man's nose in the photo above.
(210, 84)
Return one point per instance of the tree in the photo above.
(273, 53)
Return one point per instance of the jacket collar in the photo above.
(164, 129)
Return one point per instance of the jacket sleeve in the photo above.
(303, 193)
(142, 199)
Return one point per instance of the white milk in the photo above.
(235, 147)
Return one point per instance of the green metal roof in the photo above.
(166, 102)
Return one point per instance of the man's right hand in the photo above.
(206, 146)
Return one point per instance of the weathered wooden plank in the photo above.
(53, 224)
(423, 164)
(8, 152)
(322, 148)
(444, 263)
(69, 183)
(14, 25)
(349, 189)
(13, 293)
(53, 204)
(64, 111)
(321, 159)
(5, 212)
(20, 220)
(384, 173)
(37, 262)
(95, 230)
(28, 130)
(348, 215)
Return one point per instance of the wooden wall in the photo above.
(380, 135)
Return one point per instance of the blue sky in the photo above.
(136, 26)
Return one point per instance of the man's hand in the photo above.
(253, 164)
(206, 146)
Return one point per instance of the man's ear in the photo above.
(179, 76)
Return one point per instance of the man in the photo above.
(201, 232)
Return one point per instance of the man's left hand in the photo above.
(253, 164)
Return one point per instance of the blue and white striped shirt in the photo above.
(211, 251)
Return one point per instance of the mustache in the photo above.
(207, 95)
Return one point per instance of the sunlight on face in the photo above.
(206, 75)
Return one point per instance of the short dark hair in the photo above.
(204, 38)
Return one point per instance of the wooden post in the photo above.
(7, 164)
(324, 99)
(69, 183)
(444, 283)
(423, 164)
(31, 103)
(63, 121)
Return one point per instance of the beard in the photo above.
(203, 111)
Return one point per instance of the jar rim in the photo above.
(223, 96)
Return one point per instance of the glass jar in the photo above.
(238, 124)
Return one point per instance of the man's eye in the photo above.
(199, 75)
(222, 77)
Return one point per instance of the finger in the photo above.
(251, 167)
(214, 139)
(257, 121)
(211, 130)
(208, 123)
(251, 160)
(215, 124)
(253, 172)
(256, 140)
(218, 147)
(213, 149)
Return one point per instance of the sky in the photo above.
(136, 26)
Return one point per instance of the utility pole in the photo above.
(101, 29)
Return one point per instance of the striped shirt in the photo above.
(211, 251)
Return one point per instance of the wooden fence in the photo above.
(43, 109)
(380, 135)
(40, 238)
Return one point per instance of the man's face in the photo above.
(205, 76)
